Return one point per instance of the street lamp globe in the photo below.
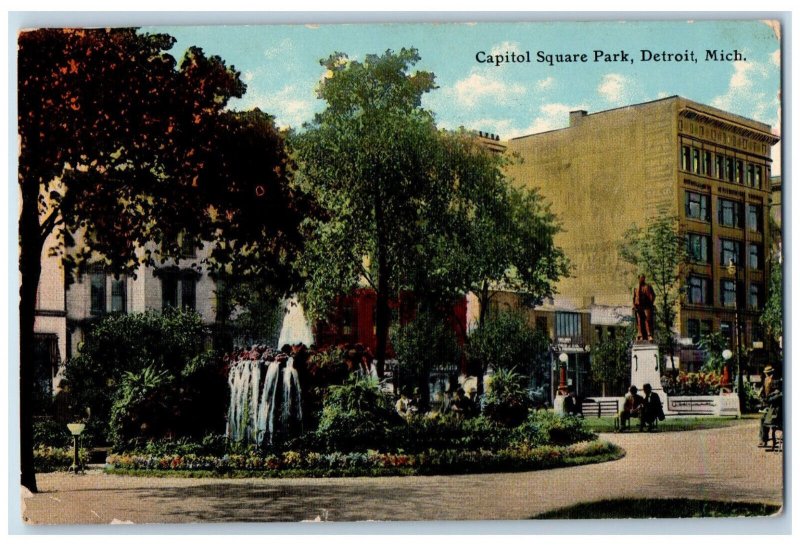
(563, 357)
(727, 354)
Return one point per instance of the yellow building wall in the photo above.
(602, 174)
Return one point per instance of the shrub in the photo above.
(150, 363)
(49, 432)
(52, 459)
(357, 415)
(508, 400)
(545, 428)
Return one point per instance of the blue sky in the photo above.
(280, 64)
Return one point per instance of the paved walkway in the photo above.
(721, 464)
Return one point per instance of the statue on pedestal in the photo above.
(644, 299)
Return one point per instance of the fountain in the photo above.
(295, 328)
(265, 387)
(265, 398)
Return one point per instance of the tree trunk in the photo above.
(483, 302)
(30, 268)
(382, 297)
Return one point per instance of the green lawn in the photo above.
(670, 424)
(661, 508)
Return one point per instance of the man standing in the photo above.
(644, 299)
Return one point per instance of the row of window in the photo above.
(729, 213)
(721, 167)
(698, 245)
(698, 292)
(698, 328)
(176, 291)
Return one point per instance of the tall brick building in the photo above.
(611, 169)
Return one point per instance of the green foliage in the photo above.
(546, 428)
(357, 415)
(48, 432)
(56, 459)
(611, 361)
(772, 316)
(507, 341)
(507, 402)
(713, 344)
(422, 345)
(148, 373)
(658, 251)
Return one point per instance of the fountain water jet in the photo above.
(265, 399)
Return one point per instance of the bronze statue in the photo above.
(644, 299)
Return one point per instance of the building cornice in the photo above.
(728, 125)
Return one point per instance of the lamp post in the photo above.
(562, 377)
(733, 269)
(726, 370)
(76, 429)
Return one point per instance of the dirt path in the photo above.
(720, 464)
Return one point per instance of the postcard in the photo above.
(401, 272)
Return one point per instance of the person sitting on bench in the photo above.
(652, 410)
(631, 407)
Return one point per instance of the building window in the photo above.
(755, 296)
(696, 205)
(727, 292)
(697, 248)
(730, 250)
(754, 257)
(169, 291)
(726, 329)
(754, 218)
(739, 171)
(757, 179)
(118, 295)
(750, 174)
(188, 293)
(568, 325)
(719, 166)
(693, 329)
(730, 213)
(686, 158)
(97, 281)
(697, 292)
(695, 160)
(707, 164)
(730, 171)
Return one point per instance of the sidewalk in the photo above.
(719, 464)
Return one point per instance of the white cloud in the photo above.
(546, 83)
(279, 49)
(502, 48)
(614, 88)
(477, 87)
(775, 58)
(554, 115)
(248, 76)
(743, 95)
(290, 106)
(662, 95)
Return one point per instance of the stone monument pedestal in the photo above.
(646, 367)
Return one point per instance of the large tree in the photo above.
(378, 168)
(658, 250)
(122, 146)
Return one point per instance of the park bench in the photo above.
(601, 408)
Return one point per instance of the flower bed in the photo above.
(51, 459)
(692, 384)
(371, 463)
